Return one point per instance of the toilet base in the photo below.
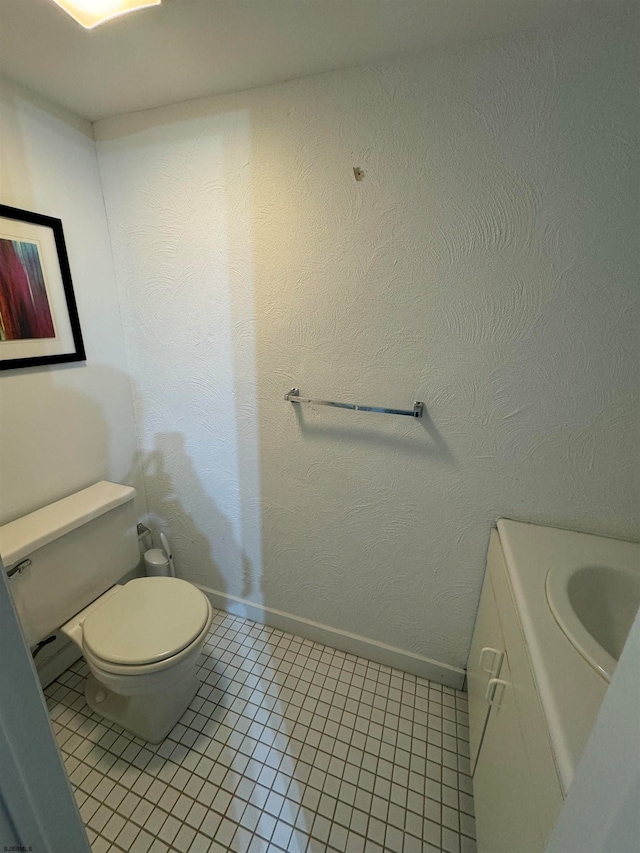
(149, 716)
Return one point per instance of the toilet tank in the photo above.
(78, 548)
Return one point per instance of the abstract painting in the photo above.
(39, 321)
(24, 304)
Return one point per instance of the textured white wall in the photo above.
(67, 426)
(486, 265)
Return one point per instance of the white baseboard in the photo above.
(433, 670)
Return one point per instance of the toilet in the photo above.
(141, 640)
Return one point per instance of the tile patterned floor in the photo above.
(288, 746)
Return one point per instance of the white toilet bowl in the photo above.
(141, 642)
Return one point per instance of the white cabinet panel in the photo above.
(516, 785)
(540, 759)
(506, 819)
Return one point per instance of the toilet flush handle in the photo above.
(19, 567)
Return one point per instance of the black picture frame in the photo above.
(56, 296)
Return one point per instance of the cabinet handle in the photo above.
(492, 688)
(496, 663)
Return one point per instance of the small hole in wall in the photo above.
(358, 173)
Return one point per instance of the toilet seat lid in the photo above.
(148, 620)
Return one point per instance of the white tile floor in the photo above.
(288, 746)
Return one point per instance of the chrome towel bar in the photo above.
(294, 397)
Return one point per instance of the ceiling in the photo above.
(187, 49)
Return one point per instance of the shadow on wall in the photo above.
(57, 439)
(210, 552)
(202, 537)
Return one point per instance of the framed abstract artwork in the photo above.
(38, 315)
